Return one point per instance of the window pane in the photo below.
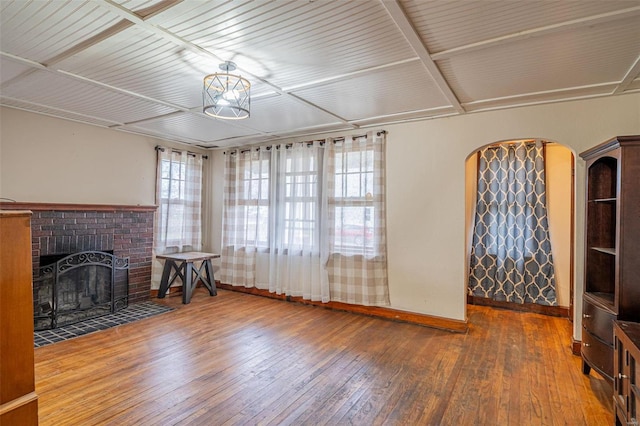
(366, 184)
(174, 190)
(164, 169)
(164, 188)
(353, 161)
(353, 185)
(174, 230)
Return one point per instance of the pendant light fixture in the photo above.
(226, 95)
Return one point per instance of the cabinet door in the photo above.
(619, 394)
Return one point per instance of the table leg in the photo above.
(164, 282)
(208, 271)
(187, 283)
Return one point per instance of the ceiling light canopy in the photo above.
(226, 95)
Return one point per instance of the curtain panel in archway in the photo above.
(511, 256)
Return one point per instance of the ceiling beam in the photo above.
(91, 41)
(631, 75)
(404, 25)
(542, 97)
(68, 113)
(537, 32)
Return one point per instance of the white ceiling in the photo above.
(315, 66)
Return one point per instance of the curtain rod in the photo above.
(309, 143)
(516, 142)
(193, 154)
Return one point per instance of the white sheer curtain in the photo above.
(177, 225)
(295, 264)
(308, 220)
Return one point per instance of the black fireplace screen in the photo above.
(79, 286)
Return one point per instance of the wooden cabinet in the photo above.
(626, 394)
(18, 400)
(612, 247)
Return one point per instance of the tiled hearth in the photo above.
(130, 314)
(58, 229)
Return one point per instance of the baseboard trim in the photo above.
(576, 347)
(447, 324)
(552, 311)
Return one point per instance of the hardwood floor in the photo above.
(243, 359)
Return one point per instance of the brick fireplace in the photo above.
(126, 231)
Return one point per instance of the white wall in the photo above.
(44, 159)
(425, 178)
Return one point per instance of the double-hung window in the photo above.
(178, 195)
(299, 212)
(247, 203)
(352, 199)
(177, 227)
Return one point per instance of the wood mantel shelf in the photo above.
(21, 205)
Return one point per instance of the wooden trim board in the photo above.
(447, 324)
(74, 207)
(554, 311)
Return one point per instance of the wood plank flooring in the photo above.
(244, 359)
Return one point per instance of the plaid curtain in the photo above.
(177, 225)
(356, 221)
(245, 221)
(511, 253)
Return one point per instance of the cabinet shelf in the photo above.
(606, 250)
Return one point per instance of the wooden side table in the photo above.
(181, 265)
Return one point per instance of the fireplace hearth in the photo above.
(79, 286)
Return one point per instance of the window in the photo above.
(307, 219)
(352, 198)
(172, 187)
(301, 202)
(253, 205)
(178, 195)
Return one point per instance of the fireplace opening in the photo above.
(79, 286)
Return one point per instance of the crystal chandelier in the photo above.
(226, 95)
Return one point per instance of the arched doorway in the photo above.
(559, 170)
